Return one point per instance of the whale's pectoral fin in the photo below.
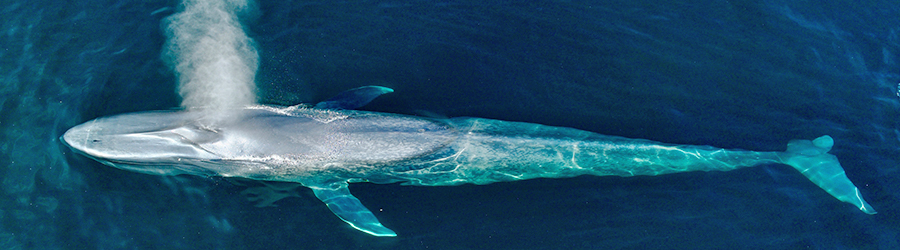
(338, 198)
(354, 98)
(811, 158)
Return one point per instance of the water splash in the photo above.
(214, 59)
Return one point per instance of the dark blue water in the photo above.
(733, 74)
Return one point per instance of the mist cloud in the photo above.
(214, 59)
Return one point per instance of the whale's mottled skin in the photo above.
(325, 149)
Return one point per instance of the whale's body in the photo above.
(325, 149)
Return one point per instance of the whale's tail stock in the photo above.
(812, 159)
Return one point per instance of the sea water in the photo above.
(732, 74)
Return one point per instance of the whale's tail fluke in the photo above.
(811, 158)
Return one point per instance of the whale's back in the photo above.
(360, 137)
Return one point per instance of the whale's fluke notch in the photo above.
(812, 159)
(354, 98)
(338, 198)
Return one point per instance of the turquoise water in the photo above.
(738, 74)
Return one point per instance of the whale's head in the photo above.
(256, 141)
(157, 142)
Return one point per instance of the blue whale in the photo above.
(327, 146)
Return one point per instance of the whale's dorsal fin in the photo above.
(338, 198)
(354, 98)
